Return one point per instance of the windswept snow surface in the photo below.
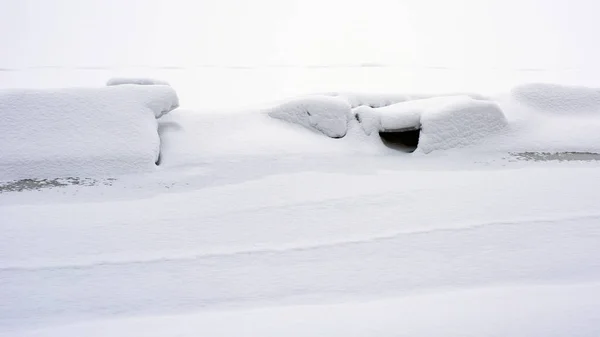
(223, 240)
(81, 132)
(517, 311)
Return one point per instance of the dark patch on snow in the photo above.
(557, 156)
(405, 141)
(38, 184)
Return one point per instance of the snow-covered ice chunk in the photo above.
(460, 121)
(326, 114)
(81, 131)
(395, 117)
(557, 98)
(445, 122)
(385, 99)
(135, 80)
(160, 99)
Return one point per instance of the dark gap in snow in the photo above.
(405, 141)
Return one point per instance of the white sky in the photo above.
(455, 33)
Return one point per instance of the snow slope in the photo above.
(81, 132)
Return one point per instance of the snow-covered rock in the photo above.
(557, 98)
(382, 100)
(325, 114)
(135, 80)
(445, 122)
(81, 131)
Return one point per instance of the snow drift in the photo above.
(557, 98)
(325, 114)
(135, 80)
(445, 122)
(81, 131)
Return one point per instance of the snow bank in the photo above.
(135, 80)
(81, 131)
(382, 100)
(445, 122)
(557, 98)
(325, 114)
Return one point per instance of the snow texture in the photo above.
(135, 80)
(445, 122)
(81, 132)
(550, 310)
(325, 114)
(276, 233)
(560, 99)
(374, 100)
(459, 122)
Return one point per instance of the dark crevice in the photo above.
(405, 141)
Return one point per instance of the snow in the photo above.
(253, 235)
(328, 115)
(519, 311)
(252, 226)
(82, 131)
(461, 122)
(188, 138)
(550, 118)
(559, 99)
(135, 80)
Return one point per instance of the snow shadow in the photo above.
(404, 141)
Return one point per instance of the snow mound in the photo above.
(445, 122)
(81, 131)
(382, 100)
(325, 114)
(557, 98)
(459, 122)
(135, 80)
